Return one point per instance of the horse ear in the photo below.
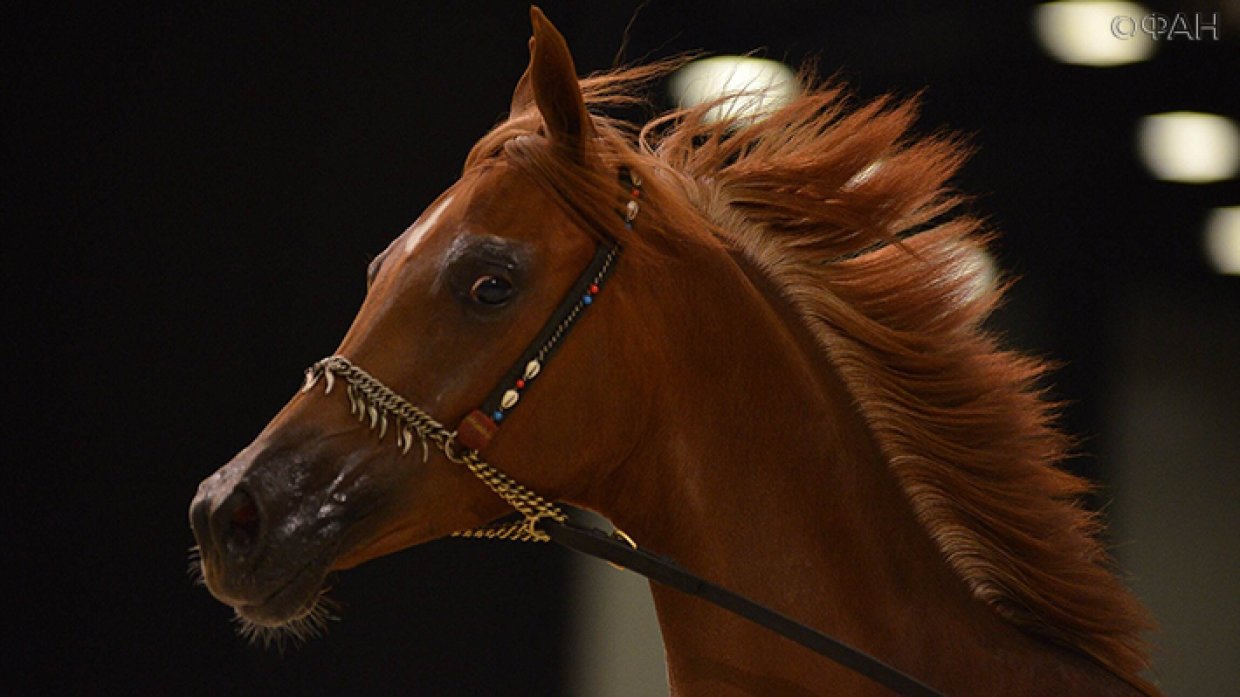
(523, 95)
(553, 81)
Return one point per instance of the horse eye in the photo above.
(491, 290)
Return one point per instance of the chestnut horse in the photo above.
(777, 375)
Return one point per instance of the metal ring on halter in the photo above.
(449, 449)
(623, 537)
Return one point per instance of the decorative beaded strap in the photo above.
(477, 429)
(480, 426)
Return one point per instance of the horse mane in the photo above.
(852, 219)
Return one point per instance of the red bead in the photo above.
(520, 384)
(637, 193)
(593, 288)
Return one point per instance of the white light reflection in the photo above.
(758, 85)
(1092, 33)
(1222, 239)
(1190, 147)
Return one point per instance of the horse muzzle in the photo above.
(265, 535)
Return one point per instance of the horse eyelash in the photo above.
(372, 269)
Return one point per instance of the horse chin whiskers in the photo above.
(311, 624)
(195, 569)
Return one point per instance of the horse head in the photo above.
(785, 384)
(450, 306)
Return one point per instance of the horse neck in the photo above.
(755, 474)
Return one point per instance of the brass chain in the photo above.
(370, 399)
(531, 506)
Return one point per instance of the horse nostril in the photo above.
(239, 521)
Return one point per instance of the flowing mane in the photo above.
(812, 195)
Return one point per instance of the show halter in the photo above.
(543, 521)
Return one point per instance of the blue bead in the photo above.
(587, 299)
(498, 416)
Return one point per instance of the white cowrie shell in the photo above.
(532, 369)
(509, 400)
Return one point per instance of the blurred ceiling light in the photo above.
(1093, 33)
(1222, 239)
(1186, 146)
(757, 86)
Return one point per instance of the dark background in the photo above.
(191, 195)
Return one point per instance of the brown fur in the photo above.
(961, 421)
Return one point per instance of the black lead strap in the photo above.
(596, 543)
